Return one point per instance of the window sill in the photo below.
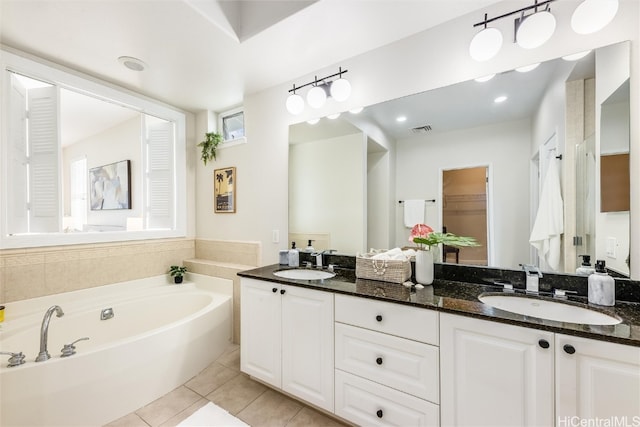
(233, 142)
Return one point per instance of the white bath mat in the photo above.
(211, 415)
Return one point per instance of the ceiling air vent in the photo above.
(421, 129)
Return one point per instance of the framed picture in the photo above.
(110, 186)
(224, 194)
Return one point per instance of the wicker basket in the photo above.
(394, 271)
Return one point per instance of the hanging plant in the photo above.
(209, 146)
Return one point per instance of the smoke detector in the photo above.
(132, 63)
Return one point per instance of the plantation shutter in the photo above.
(44, 160)
(17, 209)
(160, 184)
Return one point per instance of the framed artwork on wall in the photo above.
(110, 186)
(224, 194)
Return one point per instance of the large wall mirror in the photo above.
(477, 162)
(83, 162)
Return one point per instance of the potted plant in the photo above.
(177, 272)
(209, 146)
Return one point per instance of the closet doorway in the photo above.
(464, 212)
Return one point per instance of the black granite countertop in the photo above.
(462, 298)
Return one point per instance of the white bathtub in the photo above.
(160, 336)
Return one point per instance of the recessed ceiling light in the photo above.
(500, 99)
(333, 116)
(485, 78)
(576, 56)
(356, 110)
(132, 63)
(313, 121)
(527, 68)
(401, 119)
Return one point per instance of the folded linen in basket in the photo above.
(393, 254)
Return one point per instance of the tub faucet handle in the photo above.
(70, 349)
(16, 359)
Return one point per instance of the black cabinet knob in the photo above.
(282, 291)
(379, 413)
(379, 360)
(543, 343)
(569, 349)
(274, 290)
(379, 318)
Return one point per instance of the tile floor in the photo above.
(223, 384)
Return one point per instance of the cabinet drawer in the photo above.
(409, 366)
(369, 404)
(396, 319)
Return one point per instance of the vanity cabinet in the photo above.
(287, 339)
(387, 363)
(596, 379)
(493, 374)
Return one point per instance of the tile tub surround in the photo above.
(458, 297)
(34, 272)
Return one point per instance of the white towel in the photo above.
(413, 212)
(212, 415)
(549, 224)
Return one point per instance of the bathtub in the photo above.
(160, 336)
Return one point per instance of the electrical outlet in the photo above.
(275, 236)
(612, 243)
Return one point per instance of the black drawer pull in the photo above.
(379, 318)
(379, 413)
(379, 360)
(543, 343)
(569, 349)
(274, 290)
(282, 291)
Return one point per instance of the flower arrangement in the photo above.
(424, 236)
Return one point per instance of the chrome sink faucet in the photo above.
(318, 256)
(533, 276)
(44, 332)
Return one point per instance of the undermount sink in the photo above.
(304, 274)
(549, 310)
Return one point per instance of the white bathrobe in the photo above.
(549, 224)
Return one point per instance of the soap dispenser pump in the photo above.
(309, 247)
(294, 256)
(602, 287)
(585, 269)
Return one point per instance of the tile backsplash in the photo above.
(33, 272)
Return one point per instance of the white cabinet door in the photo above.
(493, 374)
(260, 326)
(307, 345)
(596, 380)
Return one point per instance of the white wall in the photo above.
(329, 201)
(504, 147)
(428, 60)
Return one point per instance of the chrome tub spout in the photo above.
(44, 332)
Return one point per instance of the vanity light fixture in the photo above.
(313, 121)
(527, 68)
(356, 110)
(339, 89)
(536, 28)
(333, 116)
(576, 56)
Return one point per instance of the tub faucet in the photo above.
(44, 332)
(533, 276)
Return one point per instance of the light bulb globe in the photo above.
(593, 15)
(295, 104)
(535, 30)
(486, 44)
(341, 89)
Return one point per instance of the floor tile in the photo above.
(271, 409)
(178, 418)
(212, 377)
(168, 406)
(131, 420)
(308, 417)
(230, 359)
(237, 394)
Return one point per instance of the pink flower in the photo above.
(420, 230)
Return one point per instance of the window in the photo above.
(231, 124)
(60, 128)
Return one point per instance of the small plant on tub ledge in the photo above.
(177, 272)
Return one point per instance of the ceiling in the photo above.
(207, 54)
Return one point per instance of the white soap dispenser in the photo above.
(294, 256)
(602, 287)
(309, 248)
(586, 268)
